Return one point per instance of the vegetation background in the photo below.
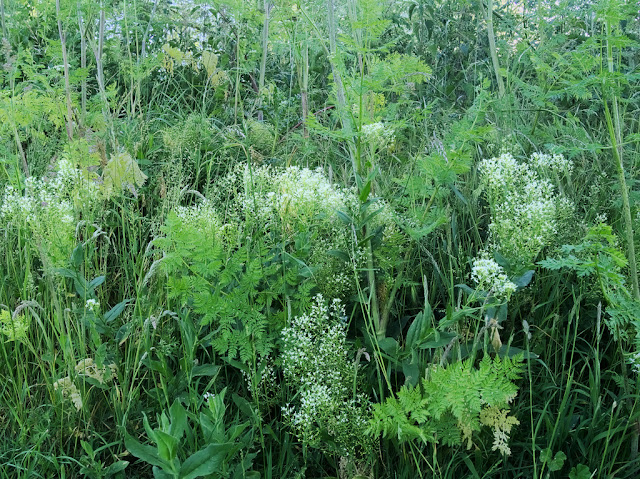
(319, 238)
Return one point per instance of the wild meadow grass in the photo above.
(319, 239)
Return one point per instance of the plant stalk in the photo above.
(492, 48)
(67, 85)
(263, 63)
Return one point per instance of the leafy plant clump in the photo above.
(452, 404)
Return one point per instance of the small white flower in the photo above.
(490, 276)
(92, 305)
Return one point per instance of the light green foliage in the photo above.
(329, 413)
(93, 372)
(122, 173)
(338, 151)
(260, 136)
(452, 403)
(14, 329)
(298, 203)
(221, 287)
(599, 256)
(44, 212)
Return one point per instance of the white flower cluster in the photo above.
(291, 204)
(79, 185)
(316, 363)
(40, 198)
(48, 217)
(314, 342)
(299, 200)
(47, 207)
(92, 305)
(490, 276)
(378, 136)
(634, 362)
(554, 163)
(69, 391)
(202, 216)
(294, 194)
(524, 207)
(89, 368)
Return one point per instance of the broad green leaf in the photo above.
(206, 461)
(364, 194)
(97, 281)
(178, 419)
(205, 370)
(114, 312)
(554, 463)
(145, 452)
(438, 340)
(209, 61)
(580, 472)
(122, 172)
(116, 467)
(167, 447)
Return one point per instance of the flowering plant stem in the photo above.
(356, 163)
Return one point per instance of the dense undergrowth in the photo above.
(319, 239)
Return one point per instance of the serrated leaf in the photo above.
(210, 62)
(122, 172)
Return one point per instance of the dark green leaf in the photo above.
(205, 370)
(438, 340)
(77, 256)
(97, 281)
(364, 194)
(344, 217)
(114, 312)
(145, 452)
(207, 461)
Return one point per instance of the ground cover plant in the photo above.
(319, 239)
